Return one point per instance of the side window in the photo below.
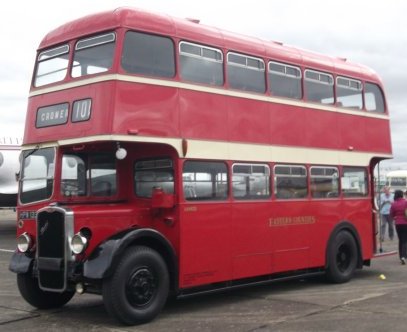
(285, 80)
(319, 87)
(201, 64)
(205, 180)
(290, 181)
(374, 100)
(324, 182)
(150, 174)
(251, 181)
(148, 55)
(246, 73)
(349, 93)
(354, 182)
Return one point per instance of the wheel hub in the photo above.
(141, 287)
(343, 258)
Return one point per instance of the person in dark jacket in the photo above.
(397, 212)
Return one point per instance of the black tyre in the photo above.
(138, 289)
(342, 258)
(31, 292)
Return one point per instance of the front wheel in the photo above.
(342, 258)
(31, 292)
(138, 288)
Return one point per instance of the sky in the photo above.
(373, 33)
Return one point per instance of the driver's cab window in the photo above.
(88, 175)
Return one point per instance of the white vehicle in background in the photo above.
(397, 180)
(9, 166)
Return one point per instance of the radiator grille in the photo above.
(52, 241)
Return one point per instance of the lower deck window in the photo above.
(324, 182)
(205, 180)
(354, 182)
(290, 182)
(251, 181)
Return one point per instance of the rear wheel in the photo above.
(31, 292)
(138, 288)
(342, 258)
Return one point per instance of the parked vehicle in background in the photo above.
(9, 167)
(397, 180)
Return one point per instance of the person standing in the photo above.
(385, 201)
(397, 212)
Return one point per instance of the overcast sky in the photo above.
(372, 33)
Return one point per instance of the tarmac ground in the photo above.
(374, 300)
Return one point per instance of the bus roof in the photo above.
(187, 29)
(397, 173)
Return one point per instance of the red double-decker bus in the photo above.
(164, 157)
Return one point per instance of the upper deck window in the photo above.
(93, 55)
(319, 87)
(201, 64)
(246, 73)
(52, 65)
(148, 55)
(285, 80)
(349, 93)
(374, 99)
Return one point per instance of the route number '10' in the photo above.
(81, 110)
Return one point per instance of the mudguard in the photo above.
(102, 261)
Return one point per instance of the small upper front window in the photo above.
(93, 55)
(52, 65)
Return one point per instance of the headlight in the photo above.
(78, 243)
(24, 242)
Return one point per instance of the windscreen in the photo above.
(37, 178)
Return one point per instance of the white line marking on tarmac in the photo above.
(6, 250)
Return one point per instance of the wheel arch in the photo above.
(104, 259)
(350, 228)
